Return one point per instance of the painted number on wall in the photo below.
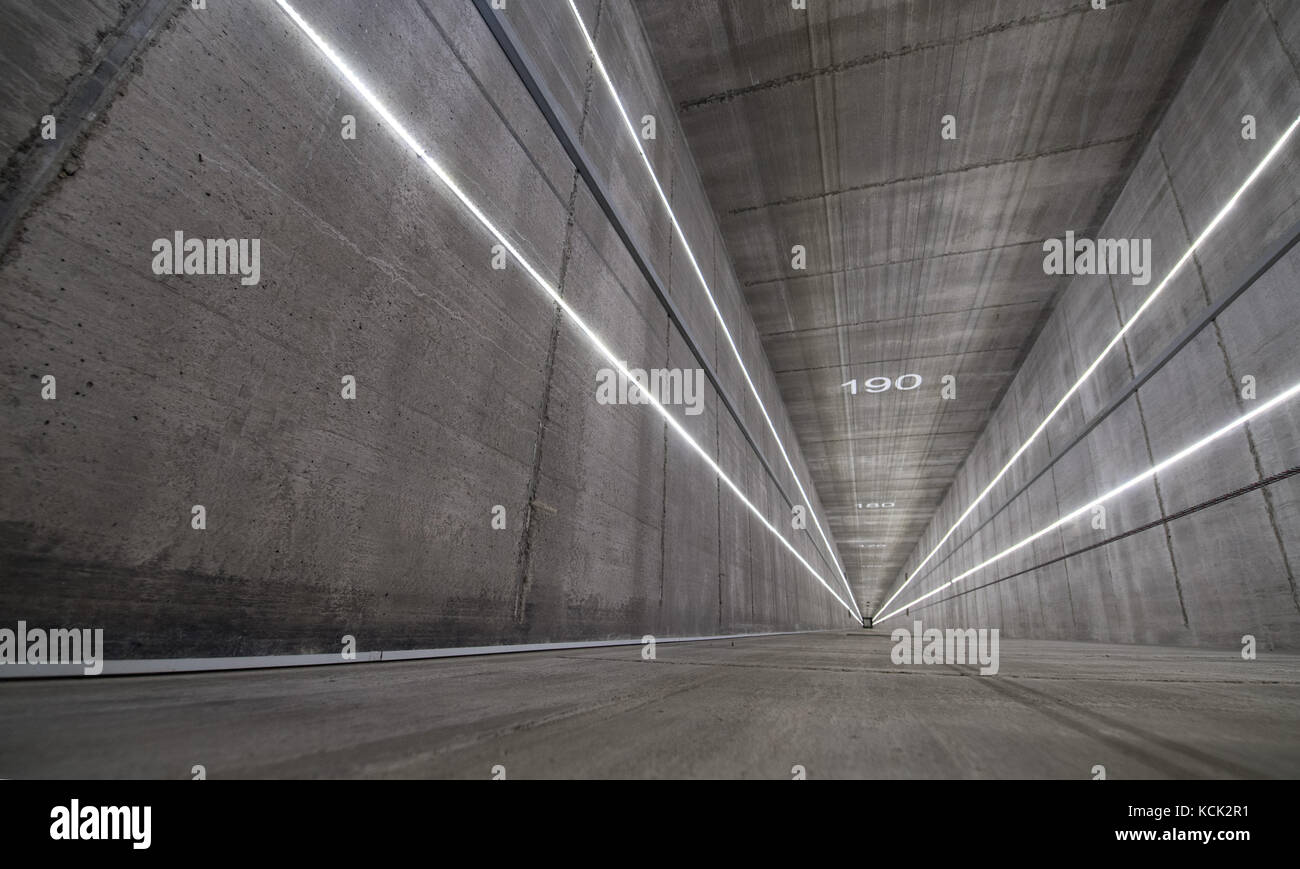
(874, 385)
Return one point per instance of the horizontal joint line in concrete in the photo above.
(927, 176)
(880, 56)
(781, 371)
(887, 437)
(908, 319)
(757, 282)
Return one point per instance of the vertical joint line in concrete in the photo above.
(1277, 32)
(524, 556)
(663, 476)
(1069, 594)
(504, 35)
(1142, 420)
(1160, 505)
(1232, 382)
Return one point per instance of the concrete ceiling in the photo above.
(924, 255)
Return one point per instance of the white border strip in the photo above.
(157, 666)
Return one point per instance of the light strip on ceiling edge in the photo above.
(1182, 261)
(636, 139)
(402, 133)
(1128, 484)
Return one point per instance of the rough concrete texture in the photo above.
(46, 47)
(1228, 570)
(833, 703)
(823, 128)
(371, 517)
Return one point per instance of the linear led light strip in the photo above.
(1182, 261)
(636, 140)
(613, 359)
(1172, 460)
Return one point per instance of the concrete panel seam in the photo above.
(87, 97)
(524, 557)
(929, 176)
(1277, 31)
(1252, 274)
(1160, 505)
(1232, 379)
(1035, 243)
(503, 33)
(877, 57)
(1146, 434)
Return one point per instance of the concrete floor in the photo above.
(753, 708)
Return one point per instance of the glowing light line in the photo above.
(411, 142)
(690, 254)
(1122, 487)
(1119, 336)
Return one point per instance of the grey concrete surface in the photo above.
(822, 128)
(373, 517)
(832, 702)
(370, 517)
(1219, 574)
(46, 46)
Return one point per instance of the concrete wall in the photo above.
(369, 517)
(1222, 572)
